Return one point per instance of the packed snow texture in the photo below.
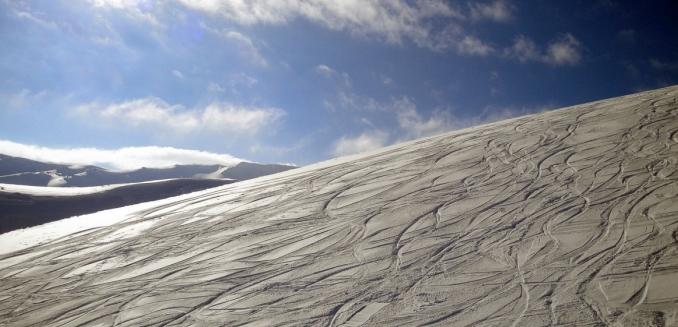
(559, 219)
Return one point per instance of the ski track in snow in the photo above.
(567, 218)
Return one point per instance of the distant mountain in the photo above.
(15, 170)
(78, 194)
(249, 170)
(26, 208)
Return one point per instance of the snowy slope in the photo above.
(566, 218)
(70, 191)
(27, 206)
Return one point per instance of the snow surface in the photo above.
(28, 237)
(55, 191)
(567, 218)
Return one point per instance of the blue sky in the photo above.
(303, 81)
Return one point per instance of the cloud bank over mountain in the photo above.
(117, 159)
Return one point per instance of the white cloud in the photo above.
(235, 83)
(498, 11)
(146, 111)
(343, 79)
(492, 113)
(32, 17)
(20, 99)
(410, 125)
(367, 122)
(387, 80)
(470, 45)
(138, 9)
(523, 49)
(565, 50)
(414, 125)
(364, 142)
(127, 158)
(433, 24)
(230, 118)
(325, 70)
(246, 48)
(216, 117)
(119, 4)
(287, 149)
(391, 20)
(242, 79)
(215, 88)
(346, 97)
(177, 74)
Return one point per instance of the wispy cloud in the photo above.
(430, 24)
(362, 143)
(286, 149)
(491, 114)
(387, 81)
(410, 125)
(470, 45)
(523, 49)
(20, 99)
(346, 97)
(235, 84)
(247, 120)
(215, 88)
(242, 79)
(138, 9)
(325, 70)
(413, 125)
(390, 20)
(664, 65)
(178, 74)
(328, 72)
(499, 11)
(127, 158)
(433, 24)
(246, 48)
(33, 17)
(565, 50)
(216, 117)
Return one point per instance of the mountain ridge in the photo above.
(22, 171)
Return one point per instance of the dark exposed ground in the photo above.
(23, 210)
